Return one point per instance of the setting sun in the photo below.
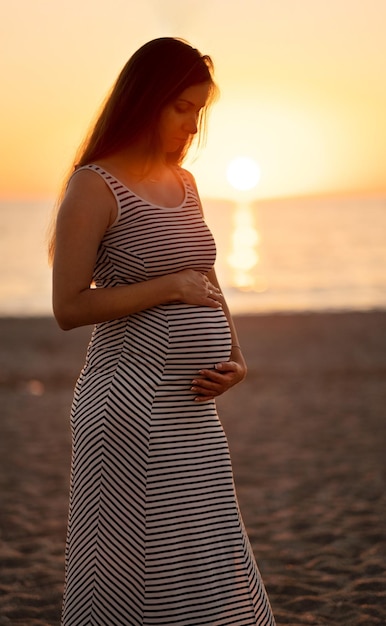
(243, 173)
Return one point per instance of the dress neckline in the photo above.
(157, 206)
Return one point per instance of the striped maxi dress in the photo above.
(155, 536)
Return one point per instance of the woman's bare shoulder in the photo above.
(85, 180)
(189, 176)
(192, 181)
(88, 193)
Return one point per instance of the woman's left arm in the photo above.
(212, 383)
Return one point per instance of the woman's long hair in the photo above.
(152, 78)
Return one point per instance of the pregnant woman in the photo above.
(155, 535)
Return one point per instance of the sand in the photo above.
(307, 437)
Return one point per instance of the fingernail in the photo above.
(218, 366)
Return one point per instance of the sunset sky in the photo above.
(303, 87)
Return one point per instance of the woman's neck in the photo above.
(138, 163)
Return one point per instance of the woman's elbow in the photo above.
(63, 325)
(64, 317)
(63, 322)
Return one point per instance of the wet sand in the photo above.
(307, 432)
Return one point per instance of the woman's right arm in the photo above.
(88, 209)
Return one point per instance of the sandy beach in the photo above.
(307, 433)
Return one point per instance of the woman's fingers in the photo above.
(214, 297)
(212, 383)
(213, 293)
(197, 289)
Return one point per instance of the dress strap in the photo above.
(113, 184)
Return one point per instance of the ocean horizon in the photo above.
(274, 256)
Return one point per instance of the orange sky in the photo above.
(303, 87)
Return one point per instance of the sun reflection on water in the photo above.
(243, 174)
(244, 256)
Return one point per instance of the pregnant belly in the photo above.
(155, 354)
(178, 338)
(199, 337)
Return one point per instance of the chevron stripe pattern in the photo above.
(155, 536)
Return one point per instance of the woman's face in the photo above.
(178, 120)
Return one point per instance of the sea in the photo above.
(273, 256)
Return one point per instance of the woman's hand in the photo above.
(195, 288)
(212, 383)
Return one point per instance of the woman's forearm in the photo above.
(236, 351)
(92, 306)
(77, 306)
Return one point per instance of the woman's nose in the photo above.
(191, 125)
